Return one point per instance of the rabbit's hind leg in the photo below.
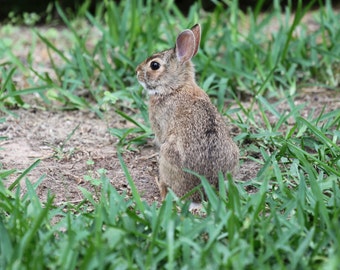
(163, 189)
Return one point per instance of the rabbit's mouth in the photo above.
(151, 90)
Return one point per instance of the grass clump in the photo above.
(291, 219)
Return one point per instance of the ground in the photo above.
(41, 135)
(71, 155)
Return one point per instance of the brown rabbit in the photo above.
(188, 128)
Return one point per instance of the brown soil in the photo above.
(66, 164)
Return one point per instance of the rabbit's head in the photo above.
(170, 70)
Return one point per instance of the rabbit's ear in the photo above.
(196, 29)
(185, 46)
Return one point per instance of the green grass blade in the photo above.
(132, 185)
(319, 134)
(6, 247)
(23, 174)
(29, 235)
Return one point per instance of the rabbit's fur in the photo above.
(189, 130)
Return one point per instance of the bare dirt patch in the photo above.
(65, 163)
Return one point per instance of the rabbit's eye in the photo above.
(155, 65)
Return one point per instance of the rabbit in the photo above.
(188, 129)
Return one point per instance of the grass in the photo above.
(290, 222)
